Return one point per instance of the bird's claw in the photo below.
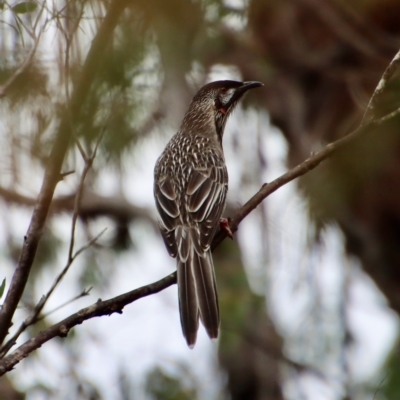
(224, 225)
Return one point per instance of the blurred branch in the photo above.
(330, 14)
(276, 353)
(116, 304)
(54, 164)
(34, 317)
(376, 96)
(92, 205)
(78, 198)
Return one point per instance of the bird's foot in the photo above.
(224, 226)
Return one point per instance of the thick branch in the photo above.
(53, 169)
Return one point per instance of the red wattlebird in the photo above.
(190, 186)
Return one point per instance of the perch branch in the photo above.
(98, 309)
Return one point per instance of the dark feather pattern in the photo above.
(190, 186)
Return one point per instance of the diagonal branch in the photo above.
(309, 164)
(377, 95)
(116, 304)
(54, 164)
(98, 309)
(35, 316)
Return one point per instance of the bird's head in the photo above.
(212, 105)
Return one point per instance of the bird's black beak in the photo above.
(241, 90)
(250, 85)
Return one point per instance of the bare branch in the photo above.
(34, 317)
(92, 205)
(98, 309)
(84, 293)
(301, 169)
(88, 244)
(376, 96)
(78, 198)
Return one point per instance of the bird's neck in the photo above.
(202, 124)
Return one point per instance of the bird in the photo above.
(190, 187)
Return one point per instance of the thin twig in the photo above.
(12, 341)
(77, 202)
(34, 317)
(369, 114)
(42, 303)
(84, 293)
(78, 197)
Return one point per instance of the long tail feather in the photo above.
(206, 290)
(197, 289)
(188, 304)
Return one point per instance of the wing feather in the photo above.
(197, 178)
(206, 202)
(166, 197)
(167, 206)
(200, 195)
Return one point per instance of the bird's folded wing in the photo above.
(206, 192)
(168, 209)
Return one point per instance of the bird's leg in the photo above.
(224, 226)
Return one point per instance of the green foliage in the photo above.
(390, 385)
(2, 287)
(161, 386)
(117, 104)
(24, 7)
(28, 85)
(48, 250)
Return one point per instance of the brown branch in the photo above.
(35, 315)
(54, 164)
(301, 169)
(85, 292)
(92, 205)
(376, 96)
(98, 309)
(116, 304)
